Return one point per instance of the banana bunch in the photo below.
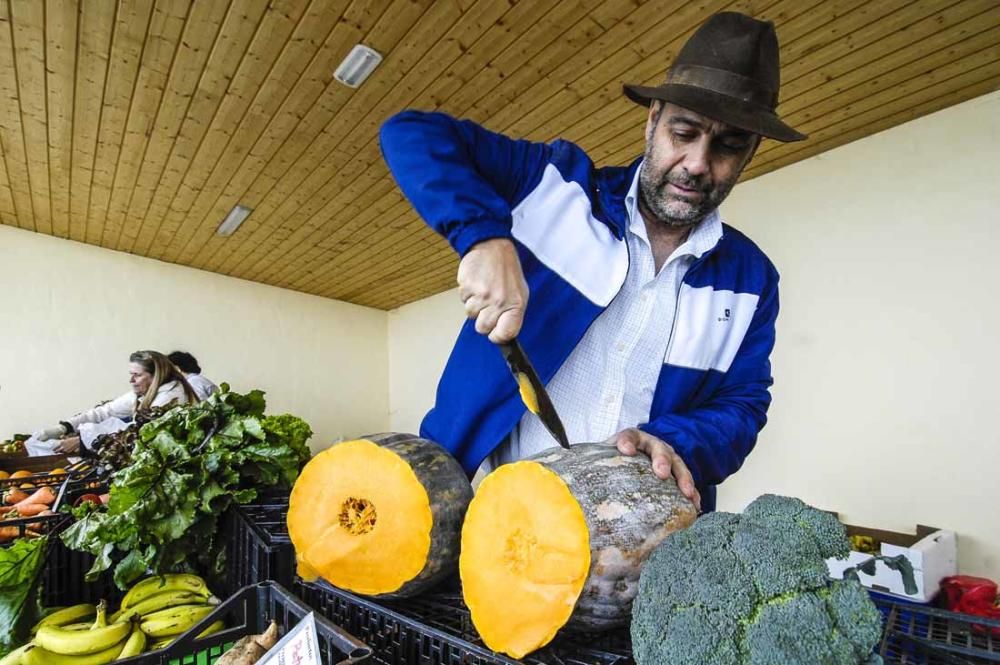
(153, 613)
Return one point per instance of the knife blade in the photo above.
(533, 392)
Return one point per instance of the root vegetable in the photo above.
(42, 496)
(248, 650)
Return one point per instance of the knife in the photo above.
(533, 392)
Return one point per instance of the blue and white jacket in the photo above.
(568, 221)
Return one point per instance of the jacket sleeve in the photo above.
(714, 438)
(461, 178)
(122, 406)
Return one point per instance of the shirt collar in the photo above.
(703, 237)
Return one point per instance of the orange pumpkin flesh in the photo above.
(525, 541)
(360, 518)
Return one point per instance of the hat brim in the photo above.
(717, 106)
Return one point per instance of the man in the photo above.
(189, 367)
(650, 321)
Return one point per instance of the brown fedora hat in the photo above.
(728, 71)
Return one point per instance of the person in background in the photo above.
(188, 365)
(650, 320)
(155, 382)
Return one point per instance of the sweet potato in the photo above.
(14, 495)
(43, 496)
(248, 650)
(9, 533)
(32, 509)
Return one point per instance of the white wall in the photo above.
(885, 398)
(420, 338)
(70, 315)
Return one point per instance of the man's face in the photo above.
(691, 164)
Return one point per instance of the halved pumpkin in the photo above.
(560, 539)
(379, 516)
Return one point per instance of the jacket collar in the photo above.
(613, 186)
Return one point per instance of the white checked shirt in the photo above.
(607, 383)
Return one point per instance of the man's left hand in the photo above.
(666, 462)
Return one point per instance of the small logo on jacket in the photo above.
(725, 317)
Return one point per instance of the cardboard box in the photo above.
(933, 553)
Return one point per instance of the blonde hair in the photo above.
(163, 371)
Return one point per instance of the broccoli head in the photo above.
(753, 589)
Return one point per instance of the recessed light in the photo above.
(357, 66)
(233, 220)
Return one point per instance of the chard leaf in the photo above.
(19, 567)
(188, 466)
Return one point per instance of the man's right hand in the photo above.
(492, 287)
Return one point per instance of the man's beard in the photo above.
(673, 210)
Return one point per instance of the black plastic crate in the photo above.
(436, 629)
(62, 578)
(257, 544)
(921, 635)
(247, 612)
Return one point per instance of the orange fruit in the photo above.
(4, 475)
(20, 474)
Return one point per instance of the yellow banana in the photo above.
(101, 621)
(161, 643)
(66, 616)
(81, 642)
(78, 626)
(161, 601)
(165, 641)
(40, 656)
(175, 620)
(17, 656)
(212, 629)
(157, 584)
(134, 645)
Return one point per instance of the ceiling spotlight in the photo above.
(357, 66)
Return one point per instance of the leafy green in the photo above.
(19, 567)
(187, 467)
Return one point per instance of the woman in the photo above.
(155, 381)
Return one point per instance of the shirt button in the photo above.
(620, 347)
(610, 399)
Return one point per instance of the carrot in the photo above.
(15, 495)
(43, 496)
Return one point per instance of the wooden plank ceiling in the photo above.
(137, 125)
